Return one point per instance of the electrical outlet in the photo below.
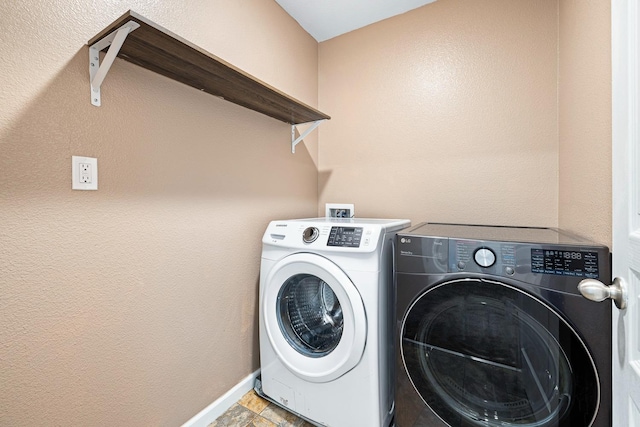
(84, 173)
(339, 210)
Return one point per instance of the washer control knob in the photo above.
(484, 257)
(310, 234)
(461, 265)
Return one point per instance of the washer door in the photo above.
(484, 353)
(314, 317)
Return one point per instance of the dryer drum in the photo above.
(483, 353)
(310, 315)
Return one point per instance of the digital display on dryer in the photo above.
(565, 263)
(349, 237)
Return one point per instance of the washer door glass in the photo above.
(483, 353)
(310, 315)
(314, 317)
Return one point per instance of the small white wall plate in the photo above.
(339, 210)
(84, 173)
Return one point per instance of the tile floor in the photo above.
(254, 411)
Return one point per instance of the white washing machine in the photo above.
(326, 331)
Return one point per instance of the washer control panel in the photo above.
(349, 237)
(335, 235)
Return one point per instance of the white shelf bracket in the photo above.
(97, 71)
(295, 141)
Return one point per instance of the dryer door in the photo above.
(314, 317)
(484, 353)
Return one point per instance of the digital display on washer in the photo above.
(345, 236)
(565, 263)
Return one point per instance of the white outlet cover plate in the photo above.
(346, 208)
(75, 173)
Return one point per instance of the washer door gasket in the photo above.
(486, 354)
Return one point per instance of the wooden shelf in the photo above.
(157, 49)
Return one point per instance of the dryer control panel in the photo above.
(505, 259)
(563, 262)
(482, 257)
(558, 265)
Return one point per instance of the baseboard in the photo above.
(217, 408)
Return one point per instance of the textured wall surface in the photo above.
(446, 113)
(136, 305)
(585, 118)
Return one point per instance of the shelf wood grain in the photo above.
(159, 50)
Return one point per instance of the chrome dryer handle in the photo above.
(597, 291)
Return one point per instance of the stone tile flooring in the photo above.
(254, 411)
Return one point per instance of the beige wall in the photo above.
(446, 113)
(136, 304)
(585, 118)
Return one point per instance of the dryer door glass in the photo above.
(310, 315)
(483, 353)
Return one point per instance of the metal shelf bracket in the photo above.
(97, 71)
(295, 141)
